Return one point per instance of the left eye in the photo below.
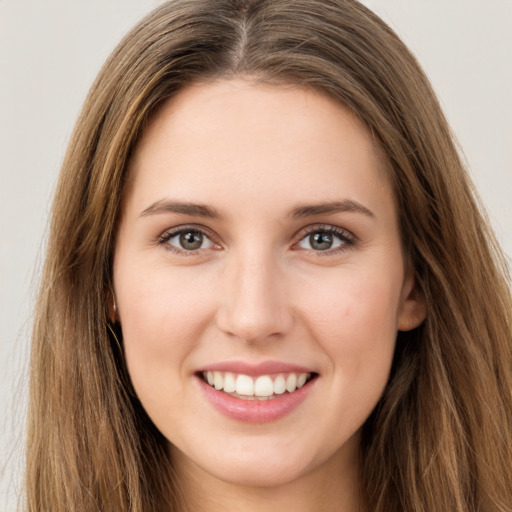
(188, 240)
(322, 240)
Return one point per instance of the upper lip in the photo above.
(255, 369)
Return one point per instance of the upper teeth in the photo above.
(262, 386)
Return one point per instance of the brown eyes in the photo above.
(187, 240)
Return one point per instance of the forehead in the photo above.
(249, 140)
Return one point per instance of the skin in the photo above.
(258, 291)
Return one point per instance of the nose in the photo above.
(254, 306)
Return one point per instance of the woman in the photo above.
(268, 281)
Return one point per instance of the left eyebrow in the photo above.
(346, 205)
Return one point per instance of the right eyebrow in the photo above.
(192, 209)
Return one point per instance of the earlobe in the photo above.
(413, 308)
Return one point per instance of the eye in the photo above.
(186, 240)
(326, 239)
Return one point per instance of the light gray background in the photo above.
(50, 51)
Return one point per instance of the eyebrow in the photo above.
(192, 209)
(202, 210)
(346, 205)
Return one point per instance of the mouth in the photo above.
(257, 388)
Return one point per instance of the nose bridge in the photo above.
(253, 307)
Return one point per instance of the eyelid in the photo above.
(170, 233)
(346, 236)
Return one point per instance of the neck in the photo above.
(331, 487)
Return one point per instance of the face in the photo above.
(259, 280)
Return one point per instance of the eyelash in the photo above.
(169, 235)
(347, 239)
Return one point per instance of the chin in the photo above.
(259, 474)
(266, 461)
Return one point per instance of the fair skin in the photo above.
(259, 236)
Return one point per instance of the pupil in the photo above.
(191, 240)
(320, 241)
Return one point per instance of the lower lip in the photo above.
(255, 411)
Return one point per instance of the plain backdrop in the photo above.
(50, 52)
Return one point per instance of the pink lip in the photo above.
(263, 368)
(255, 411)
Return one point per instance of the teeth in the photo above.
(301, 380)
(229, 383)
(218, 380)
(263, 386)
(291, 383)
(279, 385)
(244, 385)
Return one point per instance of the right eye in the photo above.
(186, 240)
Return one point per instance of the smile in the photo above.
(262, 387)
(256, 394)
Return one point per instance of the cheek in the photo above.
(163, 315)
(354, 302)
(355, 322)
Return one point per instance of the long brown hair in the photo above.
(440, 439)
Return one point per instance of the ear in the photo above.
(413, 307)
